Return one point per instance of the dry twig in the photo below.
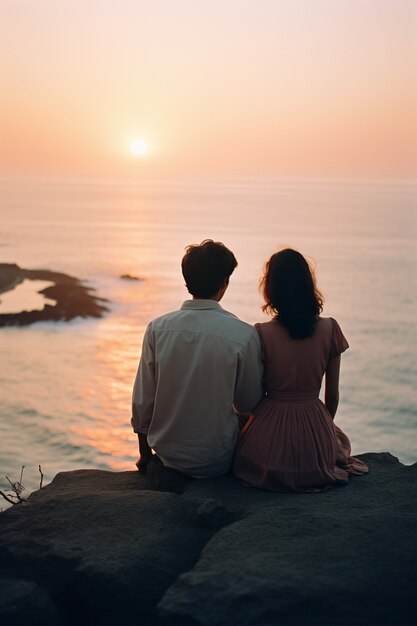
(13, 496)
(6, 497)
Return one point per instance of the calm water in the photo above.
(65, 387)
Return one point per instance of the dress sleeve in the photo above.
(339, 343)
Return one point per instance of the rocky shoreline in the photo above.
(97, 547)
(73, 298)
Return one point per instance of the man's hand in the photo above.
(143, 461)
(145, 453)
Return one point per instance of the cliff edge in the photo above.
(97, 547)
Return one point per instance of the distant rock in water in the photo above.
(73, 298)
(130, 277)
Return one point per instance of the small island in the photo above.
(73, 298)
(130, 277)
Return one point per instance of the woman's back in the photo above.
(298, 365)
(292, 442)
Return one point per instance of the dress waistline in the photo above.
(292, 396)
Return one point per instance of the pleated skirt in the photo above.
(294, 445)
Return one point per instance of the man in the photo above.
(199, 366)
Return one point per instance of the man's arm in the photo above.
(143, 398)
(248, 388)
(145, 453)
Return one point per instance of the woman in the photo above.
(291, 441)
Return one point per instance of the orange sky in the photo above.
(215, 87)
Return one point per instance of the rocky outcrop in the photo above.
(73, 298)
(130, 277)
(97, 547)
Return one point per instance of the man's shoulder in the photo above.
(216, 321)
(232, 329)
(235, 321)
(161, 320)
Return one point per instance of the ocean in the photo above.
(66, 387)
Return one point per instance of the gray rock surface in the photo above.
(98, 547)
(24, 602)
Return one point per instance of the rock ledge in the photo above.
(97, 547)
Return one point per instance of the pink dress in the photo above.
(291, 441)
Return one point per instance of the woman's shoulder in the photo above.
(267, 330)
(326, 322)
(331, 327)
(329, 322)
(266, 324)
(266, 327)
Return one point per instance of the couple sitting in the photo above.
(203, 372)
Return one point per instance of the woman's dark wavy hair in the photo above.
(290, 293)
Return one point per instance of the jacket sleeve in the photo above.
(144, 388)
(248, 388)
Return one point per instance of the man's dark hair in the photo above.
(205, 267)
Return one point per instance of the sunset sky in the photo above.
(257, 88)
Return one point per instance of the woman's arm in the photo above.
(331, 394)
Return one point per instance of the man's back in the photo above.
(196, 363)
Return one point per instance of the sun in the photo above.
(139, 147)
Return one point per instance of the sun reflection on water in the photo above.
(106, 428)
